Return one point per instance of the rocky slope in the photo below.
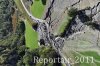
(55, 11)
(83, 32)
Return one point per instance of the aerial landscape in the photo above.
(49, 32)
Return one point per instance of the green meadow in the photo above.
(31, 37)
(37, 8)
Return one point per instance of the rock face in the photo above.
(83, 16)
(96, 13)
(43, 33)
(77, 23)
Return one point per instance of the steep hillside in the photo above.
(56, 11)
(11, 34)
(81, 31)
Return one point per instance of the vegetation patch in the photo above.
(95, 55)
(64, 26)
(88, 54)
(37, 8)
(41, 52)
(20, 6)
(72, 12)
(31, 37)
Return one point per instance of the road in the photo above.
(31, 16)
